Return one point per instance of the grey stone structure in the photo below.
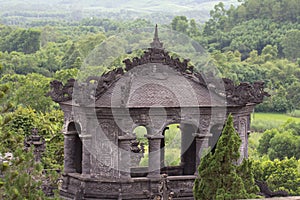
(154, 91)
(37, 142)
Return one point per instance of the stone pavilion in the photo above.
(153, 91)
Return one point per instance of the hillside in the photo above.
(19, 12)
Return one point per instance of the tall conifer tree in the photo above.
(219, 176)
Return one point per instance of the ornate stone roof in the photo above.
(156, 79)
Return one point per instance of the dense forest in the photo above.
(248, 41)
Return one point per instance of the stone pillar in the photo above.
(124, 155)
(86, 155)
(69, 140)
(154, 155)
(201, 145)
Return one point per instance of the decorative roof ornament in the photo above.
(156, 44)
(96, 86)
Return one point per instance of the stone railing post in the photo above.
(86, 155)
(69, 140)
(154, 155)
(124, 155)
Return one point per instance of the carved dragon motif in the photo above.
(60, 92)
(244, 92)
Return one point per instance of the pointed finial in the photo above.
(156, 43)
(156, 33)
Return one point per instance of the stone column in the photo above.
(69, 140)
(124, 155)
(86, 155)
(201, 144)
(154, 155)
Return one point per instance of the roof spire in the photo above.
(156, 44)
(156, 33)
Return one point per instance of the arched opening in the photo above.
(139, 153)
(171, 150)
(75, 147)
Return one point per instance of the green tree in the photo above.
(264, 141)
(65, 74)
(180, 24)
(245, 171)
(279, 174)
(282, 142)
(30, 91)
(219, 176)
(87, 43)
(291, 44)
(22, 40)
(283, 145)
(23, 178)
(72, 58)
(293, 94)
(217, 20)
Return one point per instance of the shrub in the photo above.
(279, 174)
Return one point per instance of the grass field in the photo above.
(262, 121)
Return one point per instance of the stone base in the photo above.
(137, 188)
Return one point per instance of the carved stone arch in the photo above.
(171, 121)
(135, 125)
(74, 127)
(68, 118)
(81, 120)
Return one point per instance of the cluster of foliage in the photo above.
(281, 142)
(20, 176)
(253, 25)
(279, 174)
(52, 57)
(280, 11)
(20, 125)
(22, 40)
(219, 176)
(275, 151)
